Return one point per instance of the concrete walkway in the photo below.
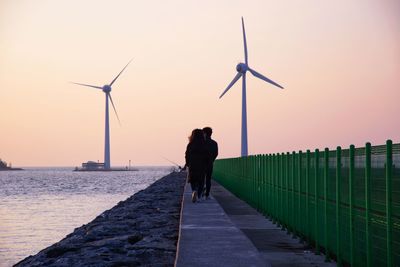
(208, 237)
(225, 231)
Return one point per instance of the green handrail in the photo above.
(345, 202)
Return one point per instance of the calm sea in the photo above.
(40, 206)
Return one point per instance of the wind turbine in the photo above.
(242, 68)
(107, 90)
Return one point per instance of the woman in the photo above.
(196, 160)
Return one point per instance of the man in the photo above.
(212, 148)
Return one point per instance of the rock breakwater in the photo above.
(140, 231)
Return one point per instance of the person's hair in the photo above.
(207, 131)
(197, 135)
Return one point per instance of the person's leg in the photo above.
(200, 189)
(208, 180)
(194, 183)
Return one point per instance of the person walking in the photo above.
(196, 157)
(212, 151)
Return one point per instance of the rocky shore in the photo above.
(140, 231)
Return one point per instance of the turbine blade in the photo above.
(112, 103)
(245, 43)
(262, 77)
(120, 73)
(88, 85)
(238, 75)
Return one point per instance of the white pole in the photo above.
(244, 118)
(107, 164)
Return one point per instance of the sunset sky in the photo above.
(339, 62)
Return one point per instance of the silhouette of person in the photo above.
(196, 157)
(212, 150)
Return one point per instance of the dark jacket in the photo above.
(196, 157)
(212, 150)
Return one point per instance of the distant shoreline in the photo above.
(11, 169)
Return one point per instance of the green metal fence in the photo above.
(346, 202)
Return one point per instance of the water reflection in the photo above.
(40, 207)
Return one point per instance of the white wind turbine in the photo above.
(242, 68)
(107, 90)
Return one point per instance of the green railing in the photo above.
(346, 202)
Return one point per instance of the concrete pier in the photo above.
(225, 231)
(209, 238)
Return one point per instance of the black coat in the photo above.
(196, 158)
(212, 150)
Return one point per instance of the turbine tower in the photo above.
(242, 68)
(107, 91)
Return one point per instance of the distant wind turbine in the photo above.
(107, 90)
(242, 68)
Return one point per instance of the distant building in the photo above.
(92, 165)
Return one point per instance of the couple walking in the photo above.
(200, 155)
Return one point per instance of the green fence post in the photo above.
(276, 190)
(389, 173)
(278, 200)
(274, 196)
(265, 184)
(266, 156)
(267, 211)
(252, 195)
(262, 202)
(273, 187)
(283, 179)
(285, 190)
(269, 185)
(299, 166)
(307, 231)
(316, 176)
(261, 177)
(288, 211)
(279, 190)
(257, 176)
(255, 183)
(254, 187)
(368, 202)
(293, 213)
(338, 186)
(326, 174)
(351, 203)
(280, 185)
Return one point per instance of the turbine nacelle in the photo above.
(106, 88)
(241, 67)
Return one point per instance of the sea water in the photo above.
(40, 206)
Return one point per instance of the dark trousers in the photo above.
(197, 182)
(208, 179)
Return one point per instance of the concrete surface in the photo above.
(226, 231)
(209, 238)
(276, 247)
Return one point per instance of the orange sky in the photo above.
(339, 62)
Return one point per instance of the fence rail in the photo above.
(345, 202)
